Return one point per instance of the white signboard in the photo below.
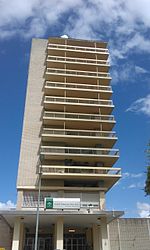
(62, 203)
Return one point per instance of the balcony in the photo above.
(78, 104)
(108, 156)
(74, 51)
(79, 120)
(109, 176)
(54, 74)
(77, 90)
(80, 137)
(80, 172)
(82, 63)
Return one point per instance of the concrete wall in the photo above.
(133, 234)
(5, 235)
(29, 153)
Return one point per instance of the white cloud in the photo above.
(132, 180)
(143, 209)
(136, 178)
(30, 18)
(132, 175)
(123, 72)
(64, 36)
(8, 205)
(132, 186)
(137, 42)
(137, 185)
(137, 175)
(141, 105)
(140, 70)
(123, 25)
(125, 175)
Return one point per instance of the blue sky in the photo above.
(125, 24)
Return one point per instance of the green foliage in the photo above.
(147, 182)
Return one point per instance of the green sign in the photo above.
(49, 203)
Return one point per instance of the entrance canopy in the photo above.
(50, 217)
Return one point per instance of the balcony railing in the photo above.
(77, 60)
(80, 133)
(79, 151)
(77, 48)
(85, 86)
(80, 170)
(54, 99)
(77, 73)
(77, 116)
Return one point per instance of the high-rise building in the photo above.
(67, 148)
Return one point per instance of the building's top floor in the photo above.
(78, 42)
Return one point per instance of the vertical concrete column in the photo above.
(96, 238)
(19, 199)
(59, 233)
(18, 234)
(104, 235)
(102, 200)
(89, 236)
(22, 235)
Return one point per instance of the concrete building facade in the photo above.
(67, 138)
(67, 153)
(124, 234)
